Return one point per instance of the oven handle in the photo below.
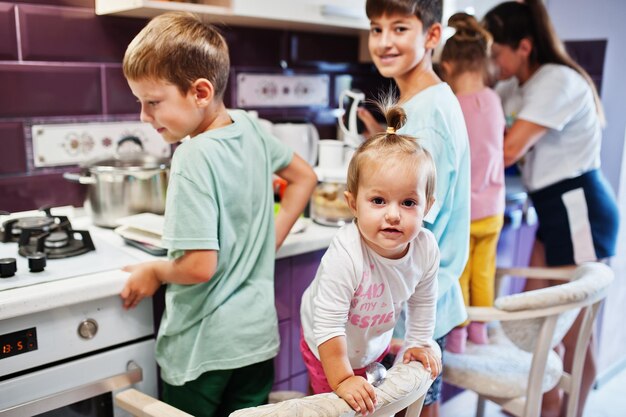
(133, 375)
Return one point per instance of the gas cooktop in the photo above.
(42, 248)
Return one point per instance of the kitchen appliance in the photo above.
(328, 204)
(349, 122)
(331, 154)
(66, 343)
(122, 185)
(303, 138)
(46, 236)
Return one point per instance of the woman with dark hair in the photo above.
(554, 131)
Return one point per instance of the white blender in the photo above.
(351, 135)
(328, 205)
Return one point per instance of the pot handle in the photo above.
(71, 177)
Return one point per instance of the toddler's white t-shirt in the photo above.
(360, 294)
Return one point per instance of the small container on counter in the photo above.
(329, 206)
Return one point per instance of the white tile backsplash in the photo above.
(69, 144)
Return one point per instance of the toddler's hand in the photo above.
(143, 282)
(358, 393)
(426, 355)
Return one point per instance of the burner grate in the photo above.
(52, 235)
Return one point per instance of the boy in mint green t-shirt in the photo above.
(219, 331)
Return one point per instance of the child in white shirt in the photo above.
(372, 267)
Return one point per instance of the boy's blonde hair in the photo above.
(179, 48)
(392, 148)
(428, 12)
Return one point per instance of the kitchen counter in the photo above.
(43, 296)
(46, 295)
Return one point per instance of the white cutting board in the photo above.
(143, 227)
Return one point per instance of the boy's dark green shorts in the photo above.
(219, 393)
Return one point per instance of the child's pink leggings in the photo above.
(319, 383)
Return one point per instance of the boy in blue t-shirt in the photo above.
(402, 36)
(219, 331)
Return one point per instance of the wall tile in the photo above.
(74, 34)
(119, 98)
(51, 90)
(13, 155)
(316, 47)
(8, 38)
(255, 47)
(34, 191)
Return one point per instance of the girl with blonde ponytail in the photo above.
(464, 61)
(373, 267)
(555, 120)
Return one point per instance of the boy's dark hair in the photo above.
(428, 12)
(180, 48)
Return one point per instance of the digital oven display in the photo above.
(22, 341)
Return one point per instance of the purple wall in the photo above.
(59, 62)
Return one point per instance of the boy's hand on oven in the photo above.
(426, 356)
(358, 393)
(143, 282)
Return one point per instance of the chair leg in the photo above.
(414, 409)
(480, 406)
(534, 391)
(579, 359)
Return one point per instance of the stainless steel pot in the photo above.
(123, 185)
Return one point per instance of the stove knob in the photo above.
(8, 267)
(37, 261)
(87, 329)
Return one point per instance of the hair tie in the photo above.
(391, 129)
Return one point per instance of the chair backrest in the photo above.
(404, 386)
(588, 283)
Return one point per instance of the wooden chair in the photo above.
(404, 387)
(519, 364)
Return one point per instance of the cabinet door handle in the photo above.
(133, 375)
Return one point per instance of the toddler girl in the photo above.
(372, 267)
(464, 61)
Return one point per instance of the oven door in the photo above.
(81, 387)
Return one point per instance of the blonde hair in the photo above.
(391, 147)
(178, 47)
(469, 47)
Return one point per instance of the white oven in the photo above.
(68, 361)
(66, 342)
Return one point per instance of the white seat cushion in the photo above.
(498, 369)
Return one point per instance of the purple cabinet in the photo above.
(515, 244)
(292, 276)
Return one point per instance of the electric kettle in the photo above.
(348, 115)
(303, 138)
